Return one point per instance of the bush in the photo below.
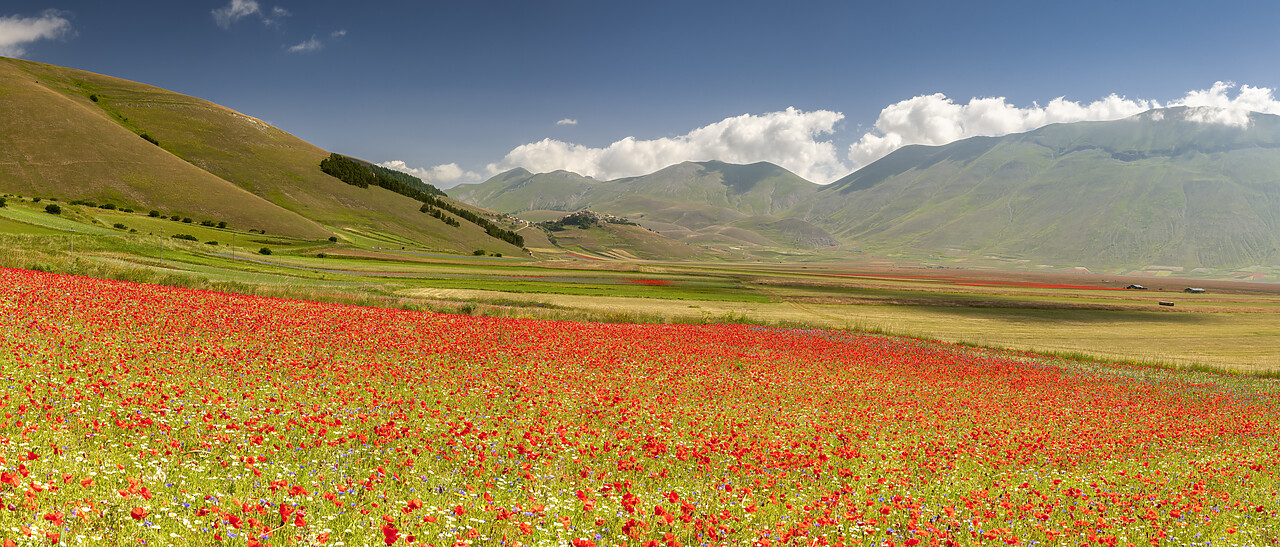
(153, 213)
(52, 209)
(321, 255)
(126, 210)
(264, 251)
(149, 138)
(108, 206)
(187, 220)
(478, 252)
(175, 217)
(222, 224)
(121, 226)
(208, 223)
(186, 237)
(2, 202)
(93, 97)
(211, 243)
(333, 239)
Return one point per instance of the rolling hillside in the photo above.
(71, 134)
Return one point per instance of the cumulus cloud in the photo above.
(790, 138)
(338, 33)
(567, 121)
(1215, 105)
(17, 31)
(239, 9)
(936, 119)
(306, 46)
(235, 11)
(443, 176)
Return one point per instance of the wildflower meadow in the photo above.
(147, 415)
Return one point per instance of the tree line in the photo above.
(362, 174)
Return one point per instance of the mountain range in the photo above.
(1179, 187)
(1165, 187)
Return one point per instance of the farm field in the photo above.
(1234, 326)
(144, 414)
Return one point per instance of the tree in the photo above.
(53, 209)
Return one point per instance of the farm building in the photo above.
(1193, 290)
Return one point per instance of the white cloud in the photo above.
(789, 138)
(17, 31)
(338, 33)
(306, 46)
(936, 119)
(235, 11)
(1214, 105)
(443, 176)
(567, 121)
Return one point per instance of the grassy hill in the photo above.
(1157, 188)
(708, 203)
(76, 135)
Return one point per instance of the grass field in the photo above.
(1234, 326)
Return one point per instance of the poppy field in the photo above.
(147, 415)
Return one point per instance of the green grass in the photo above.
(1237, 331)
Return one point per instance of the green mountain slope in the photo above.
(1157, 188)
(72, 134)
(709, 203)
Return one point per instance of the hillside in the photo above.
(708, 203)
(1157, 188)
(72, 134)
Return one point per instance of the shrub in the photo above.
(35, 200)
(175, 217)
(186, 237)
(208, 223)
(108, 206)
(222, 224)
(187, 220)
(333, 239)
(211, 243)
(120, 226)
(264, 251)
(499, 255)
(52, 209)
(126, 210)
(93, 97)
(154, 213)
(478, 252)
(149, 138)
(321, 255)
(2, 202)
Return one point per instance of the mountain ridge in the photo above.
(1166, 186)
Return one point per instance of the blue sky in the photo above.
(471, 87)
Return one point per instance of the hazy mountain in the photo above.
(1156, 188)
(711, 203)
(1167, 187)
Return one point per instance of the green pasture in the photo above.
(1235, 330)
